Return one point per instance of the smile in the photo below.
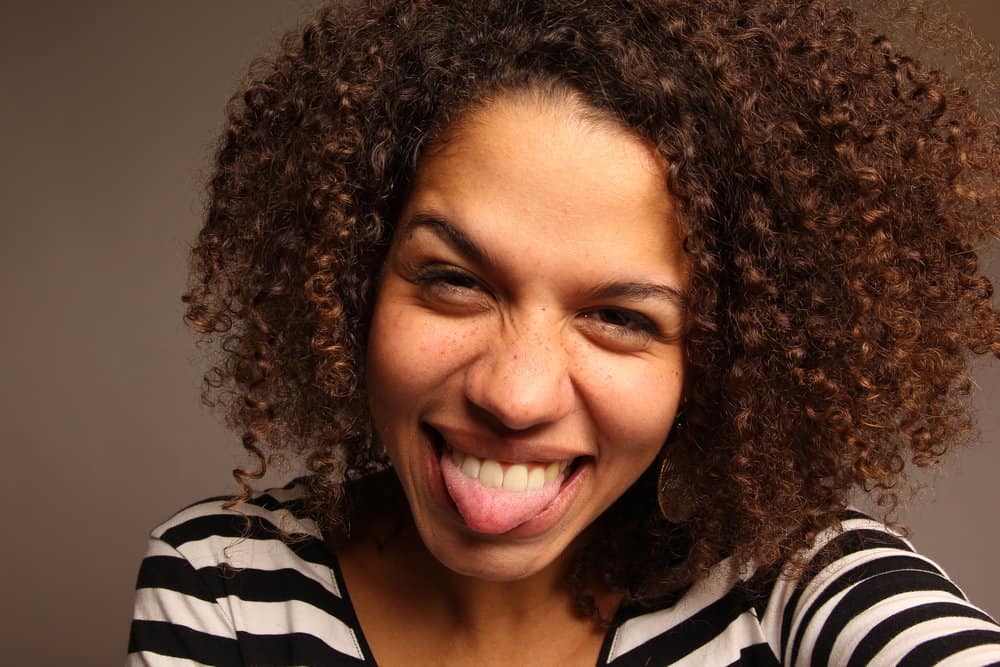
(493, 497)
(515, 477)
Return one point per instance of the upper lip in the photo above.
(485, 445)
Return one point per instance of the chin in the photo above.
(495, 563)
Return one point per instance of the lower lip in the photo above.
(534, 526)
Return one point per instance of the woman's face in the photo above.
(525, 359)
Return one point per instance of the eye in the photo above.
(448, 283)
(621, 328)
(627, 320)
(446, 276)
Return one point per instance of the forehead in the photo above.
(549, 181)
(548, 134)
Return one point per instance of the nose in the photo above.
(522, 379)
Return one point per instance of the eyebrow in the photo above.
(636, 291)
(451, 235)
(461, 243)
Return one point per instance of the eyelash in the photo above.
(455, 282)
(445, 278)
(636, 326)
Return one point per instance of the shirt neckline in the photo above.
(621, 614)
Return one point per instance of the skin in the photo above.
(530, 310)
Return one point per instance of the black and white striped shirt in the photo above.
(209, 593)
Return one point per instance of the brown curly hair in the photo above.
(832, 192)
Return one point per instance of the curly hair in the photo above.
(832, 191)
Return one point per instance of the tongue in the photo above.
(494, 511)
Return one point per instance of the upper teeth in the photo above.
(515, 477)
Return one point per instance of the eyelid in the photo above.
(663, 329)
(449, 286)
(439, 271)
(638, 323)
(643, 326)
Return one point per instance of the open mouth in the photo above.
(493, 496)
(509, 476)
(514, 477)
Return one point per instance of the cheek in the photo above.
(635, 405)
(410, 352)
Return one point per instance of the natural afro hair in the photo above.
(832, 192)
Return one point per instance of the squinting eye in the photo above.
(456, 279)
(620, 318)
(447, 277)
(449, 286)
(623, 323)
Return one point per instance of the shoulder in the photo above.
(270, 527)
(870, 598)
(865, 597)
(256, 579)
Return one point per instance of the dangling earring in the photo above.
(374, 444)
(672, 496)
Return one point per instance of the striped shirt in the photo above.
(209, 593)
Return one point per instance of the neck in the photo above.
(476, 605)
(476, 608)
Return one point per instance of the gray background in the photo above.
(107, 116)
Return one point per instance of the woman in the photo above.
(586, 319)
